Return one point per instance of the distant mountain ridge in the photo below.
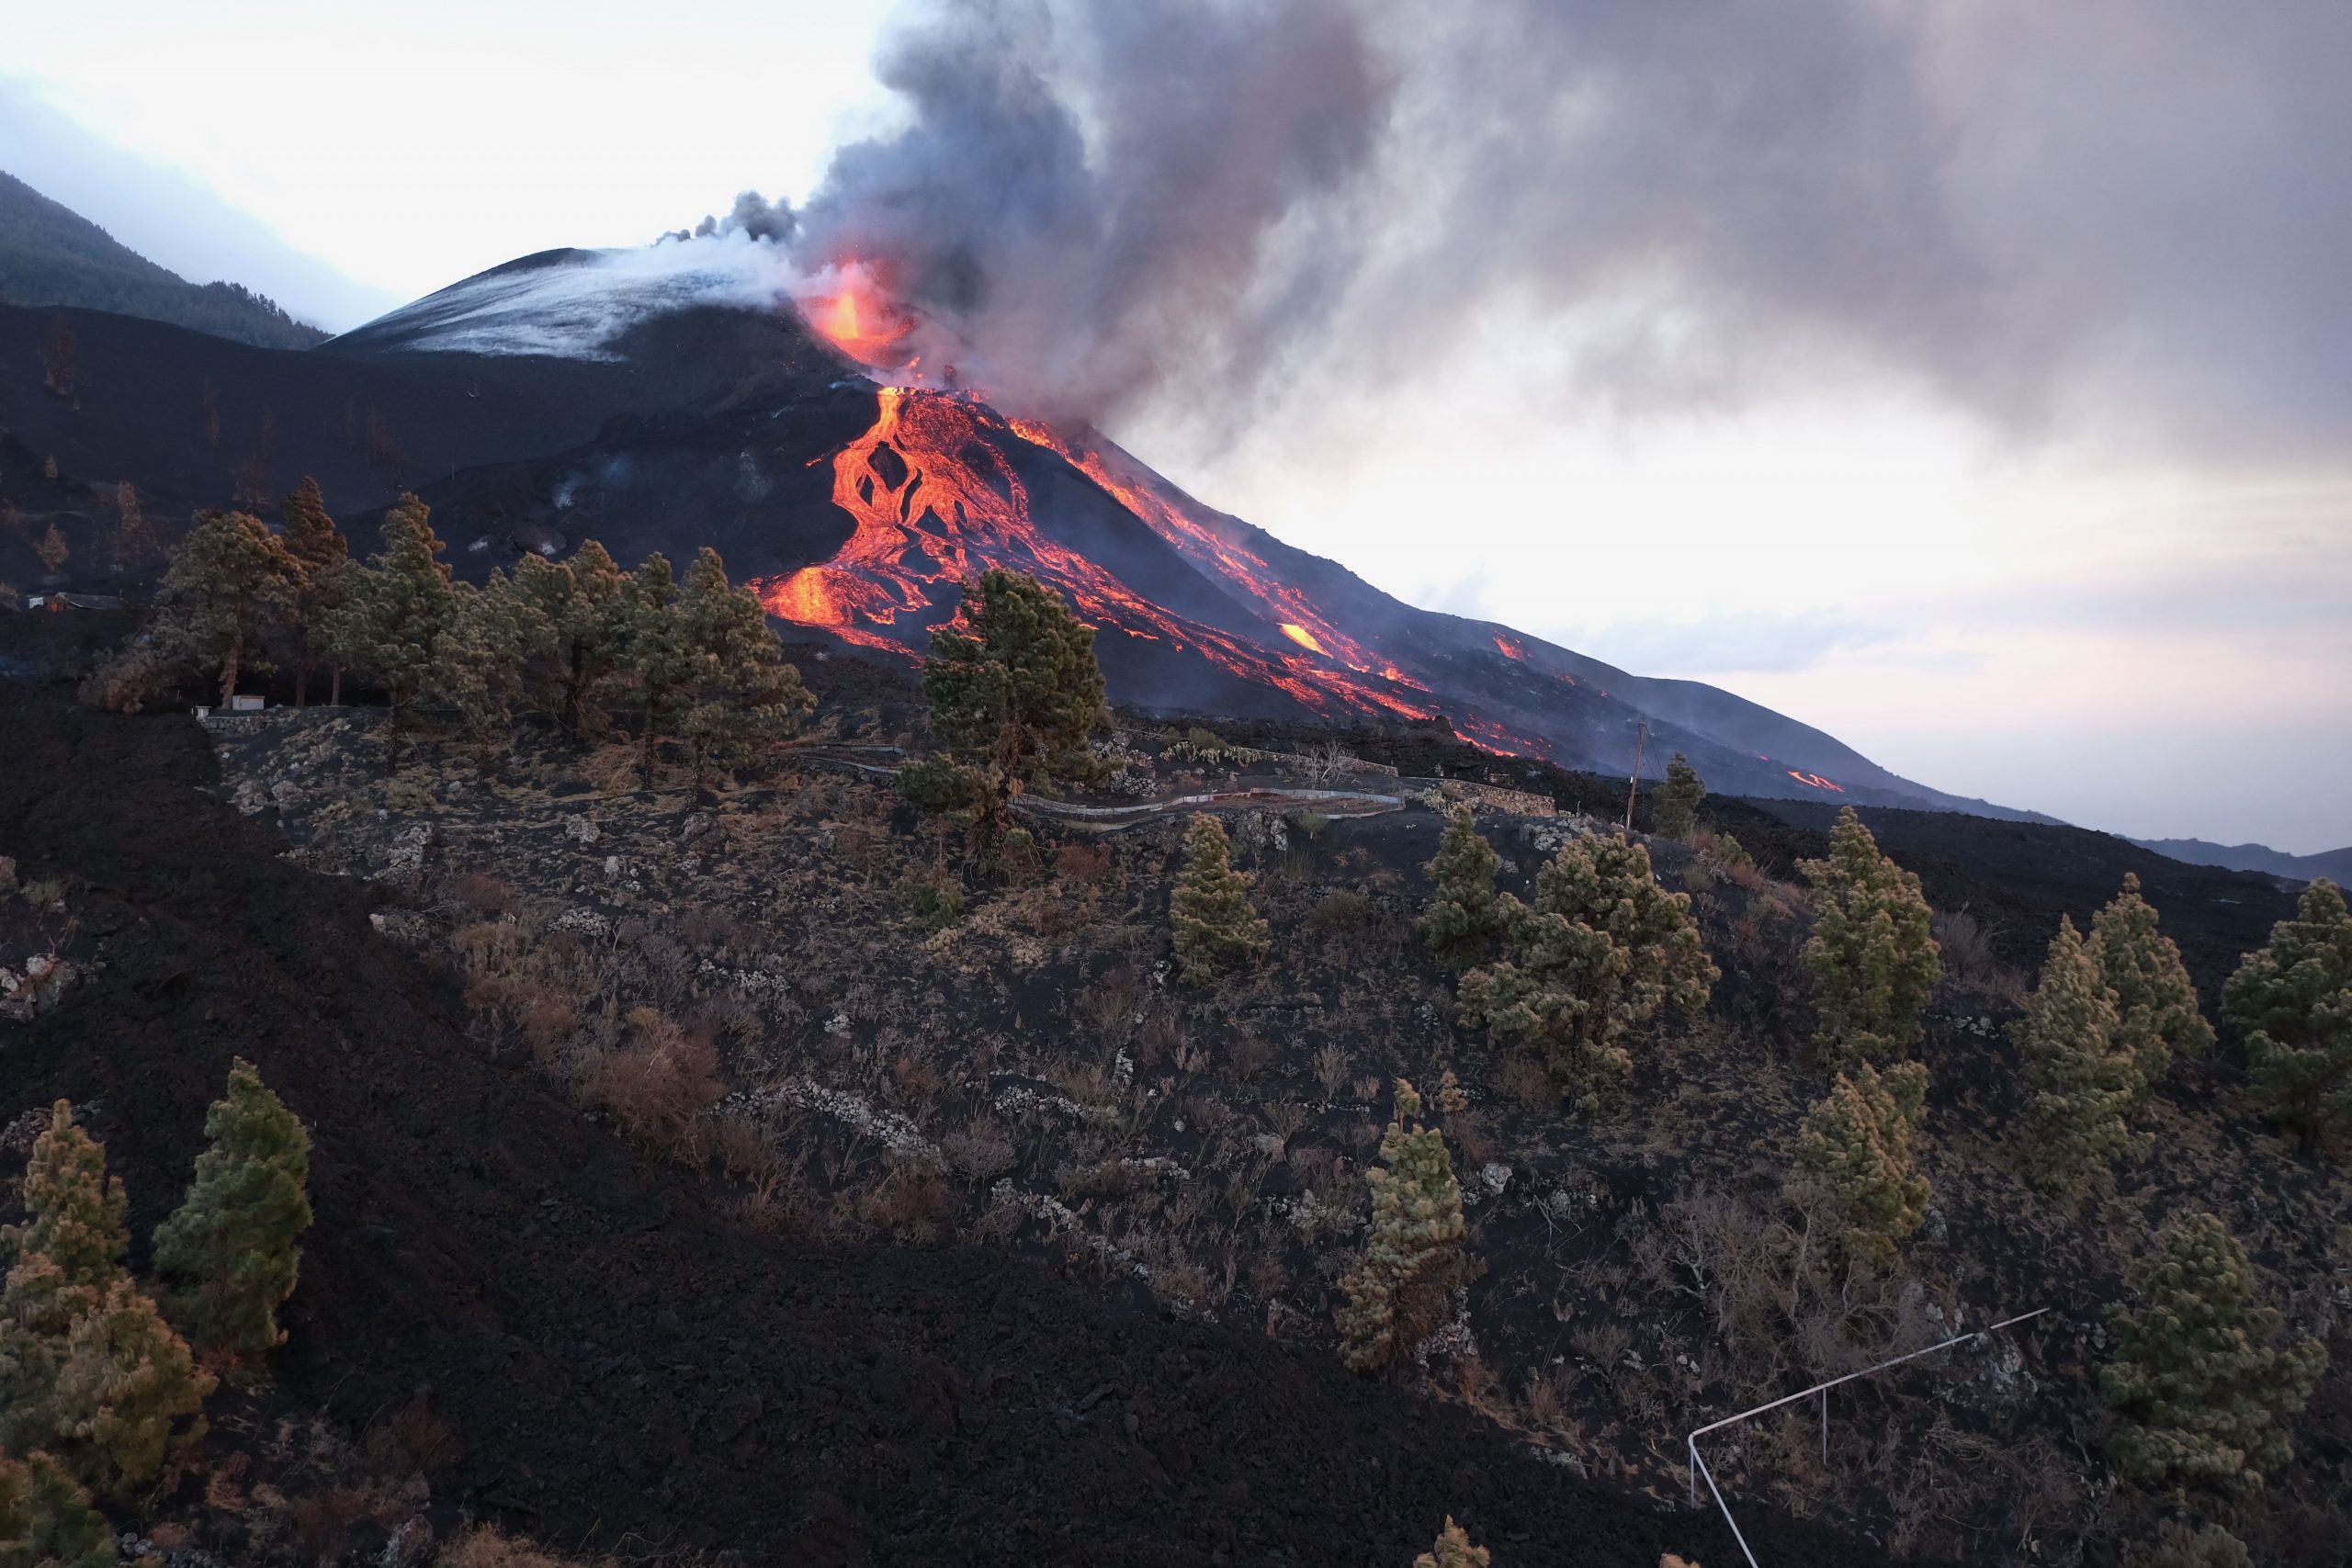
(2334, 864)
(51, 255)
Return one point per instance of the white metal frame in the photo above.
(1699, 1466)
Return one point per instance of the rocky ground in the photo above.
(506, 1309)
(803, 997)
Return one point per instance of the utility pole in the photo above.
(1640, 736)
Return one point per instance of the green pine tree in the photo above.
(2200, 1380)
(47, 1519)
(1397, 1292)
(1013, 681)
(2293, 1001)
(581, 600)
(396, 613)
(128, 1394)
(1215, 926)
(320, 554)
(37, 1311)
(1467, 920)
(233, 1249)
(1857, 1141)
(1873, 961)
(743, 694)
(74, 1210)
(1454, 1550)
(227, 582)
(2158, 1018)
(482, 660)
(655, 656)
(1674, 810)
(1603, 950)
(2081, 1077)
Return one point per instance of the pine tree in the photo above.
(234, 1246)
(582, 600)
(129, 1395)
(1467, 919)
(482, 660)
(1013, 681)
(135, 545)
(1873, 961)
(52, 550)
(1603, 950)
(397, 612)
(229, 581)
(2293, 1001)
(1674, 810)
(1856, 1140)
(1397, 1292)
(654, 653)
(2158, 1016)
(64, 1259)
(47, 1519)
(74, 1208)
(2198, 1380)
(2081, 1077)
(1454, 1550)
(1215, 926)
(742, 694)
(320, 554)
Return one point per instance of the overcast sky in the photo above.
(1974, 381)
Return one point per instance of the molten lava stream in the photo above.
(1200, 542)
(935, 502)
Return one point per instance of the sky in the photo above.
(1971, 381)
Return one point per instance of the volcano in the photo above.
(672, 398)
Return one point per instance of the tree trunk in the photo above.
(571, 690)
(229, 668)
(334, 688)
(303, 685)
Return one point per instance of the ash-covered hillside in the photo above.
(573, 395)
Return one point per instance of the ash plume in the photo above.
(1148, 207)
(1104, 197)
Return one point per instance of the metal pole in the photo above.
(1633, 788)
(1699, 1466)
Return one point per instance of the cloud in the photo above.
(2125, 215)
(171, 218)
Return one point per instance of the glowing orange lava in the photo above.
(1210, 543)
(935, 502)
(1816, 781)
(858, 318)
(1511, 647)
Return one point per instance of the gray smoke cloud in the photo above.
(2137, 208)
(1084, 188)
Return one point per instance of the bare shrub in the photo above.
(1970, 962)
(982, 1150)
(478, 892)
(1248, 1055)
(659, 1085)
(1086, 864)
(911, 1203)
(1332, 1069)
(1523, 1079)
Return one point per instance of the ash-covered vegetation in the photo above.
(1602, 1135)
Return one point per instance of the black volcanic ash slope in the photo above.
(620, 1365)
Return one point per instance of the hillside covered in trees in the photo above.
(51, 255)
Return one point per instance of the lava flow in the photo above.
(1198, 539)
(936, 502)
